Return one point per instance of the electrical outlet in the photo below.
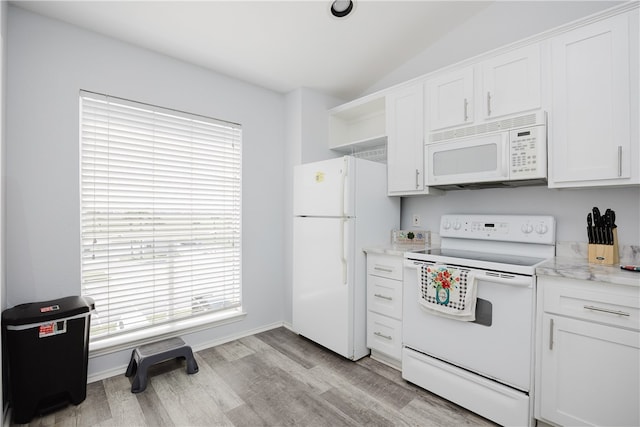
(415, 220)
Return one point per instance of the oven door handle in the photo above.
(504, 279)
(486, 276)
(409, 263)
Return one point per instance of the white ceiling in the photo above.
(280, 45)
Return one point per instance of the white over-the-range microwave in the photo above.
(506, 153)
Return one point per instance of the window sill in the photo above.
(160, 332)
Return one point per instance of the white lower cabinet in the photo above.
(384, 335)
(384, 308)
(588, 353)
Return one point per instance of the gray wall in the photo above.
(568, 206)
(48, 63)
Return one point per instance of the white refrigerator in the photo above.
(340, 207)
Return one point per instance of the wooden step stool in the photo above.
(149, 354)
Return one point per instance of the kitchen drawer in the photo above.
(615, 305)
(385, 266)
(384, 296)
(384, 334)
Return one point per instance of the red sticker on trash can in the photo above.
(49, 308)
(46, 330)
(53, 328)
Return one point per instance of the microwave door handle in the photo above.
(504, 164)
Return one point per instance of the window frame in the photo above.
(198, 320)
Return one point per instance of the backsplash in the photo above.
(629, 254)
(569, 207)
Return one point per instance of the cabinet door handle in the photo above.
(417, 174)
(488, 103)
(383, 297)
(381, 335)
(606, 310)
(385, 269)
(619, 160)
(551, 334)
(466, 109)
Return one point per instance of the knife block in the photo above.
(605, 254)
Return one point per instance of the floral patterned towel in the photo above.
(448, 291)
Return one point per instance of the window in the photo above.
(160, 214)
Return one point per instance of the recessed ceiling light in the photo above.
(341, 8)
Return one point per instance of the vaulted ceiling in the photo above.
(283, 45)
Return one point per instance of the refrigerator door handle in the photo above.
(344, 252)
(344, 186)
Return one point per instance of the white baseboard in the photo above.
(120, 370)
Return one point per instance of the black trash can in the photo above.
(45, 352)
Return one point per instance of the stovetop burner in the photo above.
(483, 256)
(507, 243)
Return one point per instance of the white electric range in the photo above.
(485, 365)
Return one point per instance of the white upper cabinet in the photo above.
(591, 125)
(511, 82)
(499, 86)
(585, 76)
(450, 98)
(405, 141)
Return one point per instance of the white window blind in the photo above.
(160, 214)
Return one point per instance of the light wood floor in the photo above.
(274, 378)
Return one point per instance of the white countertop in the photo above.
(570, 263)
(575, 268)
(392, 250)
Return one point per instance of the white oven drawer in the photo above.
(384, 334)
(385, 266)
(490, 399)
(597, 302)
(384, 296)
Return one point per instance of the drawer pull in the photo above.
(381, 335)
(605, 310)
(386, 270)
(550, 334)
(383, 297)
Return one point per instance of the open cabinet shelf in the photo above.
(358, 124)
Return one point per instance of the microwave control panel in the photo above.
(528, 153)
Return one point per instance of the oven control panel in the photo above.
(509, 228)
